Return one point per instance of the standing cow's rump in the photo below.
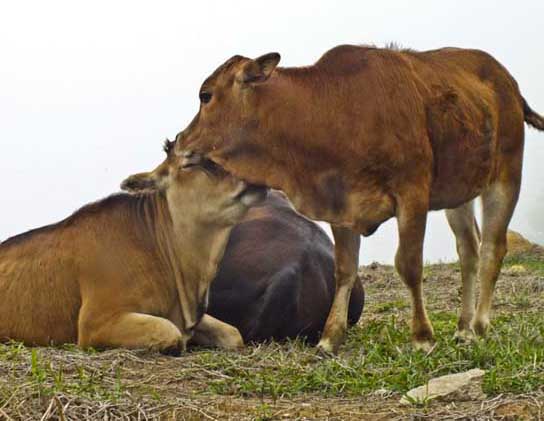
(276, 279)
(366, 134)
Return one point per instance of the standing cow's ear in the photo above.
(261, 68)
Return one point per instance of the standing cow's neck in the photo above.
(291, 144)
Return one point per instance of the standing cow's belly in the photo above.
(359, 203)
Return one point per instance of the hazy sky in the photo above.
(89, 90)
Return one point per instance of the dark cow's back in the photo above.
(276, 280)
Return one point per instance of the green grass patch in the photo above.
(532, 263)
(390, 306)
(46, 377)
(378, 356)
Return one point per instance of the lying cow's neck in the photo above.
(193, 252)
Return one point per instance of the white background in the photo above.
(89, 90)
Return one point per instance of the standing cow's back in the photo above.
(276, 279)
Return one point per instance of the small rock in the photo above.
(453, 387)
(383, 393)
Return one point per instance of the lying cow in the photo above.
(128, 271)
(367, 134)
(276, 280)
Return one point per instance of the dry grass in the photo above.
(289, 381)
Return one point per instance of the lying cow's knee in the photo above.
(231, 338)
(132, 331)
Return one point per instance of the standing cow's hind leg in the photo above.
(498, 203)
(346, 251)
(467, 238)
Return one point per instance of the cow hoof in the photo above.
(480, 326)
(325, 348)
(464, 336)
(425, 346)
(232, 342)
(174, 350)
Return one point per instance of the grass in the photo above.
(532, 263)
(374, 368)
(378, 356)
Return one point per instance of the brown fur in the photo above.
(127, 271)
(398, 132)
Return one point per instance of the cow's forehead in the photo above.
(224, 68)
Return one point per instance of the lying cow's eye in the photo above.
(205, 97)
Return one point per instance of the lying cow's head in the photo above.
(234, 104)
(203, 191)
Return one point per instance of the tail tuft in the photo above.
(532, 118)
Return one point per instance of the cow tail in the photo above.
(532, 118)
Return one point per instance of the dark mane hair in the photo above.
(395, 46)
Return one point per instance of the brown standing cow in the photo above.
(127, 271)
(366, 134)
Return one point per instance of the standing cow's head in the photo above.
(204, 192)
(234, 104)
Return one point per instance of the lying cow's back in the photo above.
(44, 273)
(31, 263)
(276, 279)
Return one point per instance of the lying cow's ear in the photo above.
(139, 183)
(261, 68)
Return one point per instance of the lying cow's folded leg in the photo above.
(131, 330)
(212, 332)
(346, 252)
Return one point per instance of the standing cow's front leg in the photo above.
(346, 261)
(411, 220)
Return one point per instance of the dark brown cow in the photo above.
(276, 279)
(366, 134)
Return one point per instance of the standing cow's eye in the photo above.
(205, 97)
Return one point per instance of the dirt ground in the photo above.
(49, 383)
